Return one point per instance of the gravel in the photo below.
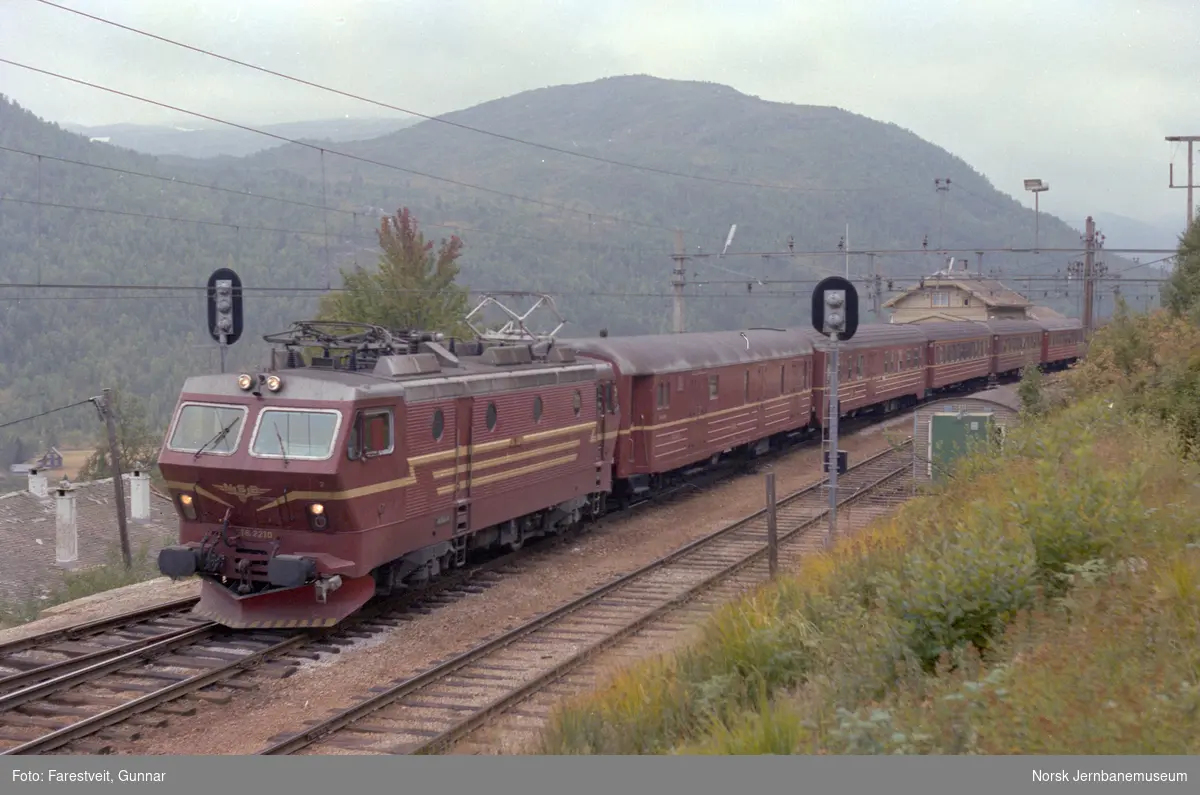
(276, 706)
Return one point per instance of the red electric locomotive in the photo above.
(383, 459)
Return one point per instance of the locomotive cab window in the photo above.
(203, 426)
(373, 434)
(296, 433)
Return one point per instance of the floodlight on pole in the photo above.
(1037, 187)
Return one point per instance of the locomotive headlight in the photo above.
(187, 504)
(274, 383)
(316, 516)
(245, 381)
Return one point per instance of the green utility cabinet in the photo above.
(953, 433)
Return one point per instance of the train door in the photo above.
(463, 420)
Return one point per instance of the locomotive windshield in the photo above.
(200, 427)
(285, 433)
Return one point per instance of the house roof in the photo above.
(1006, 396)
(1045, 313)
(28, 526)
(990, 291)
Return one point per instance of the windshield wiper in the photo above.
(282, 446)
(221, 434)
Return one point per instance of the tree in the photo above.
(137, 443)
(1181, 292)
(1030, 390)
(413, 287)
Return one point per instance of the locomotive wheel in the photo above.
(520, 542)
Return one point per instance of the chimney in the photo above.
(66, 546)
(37, 483)
(139, 496)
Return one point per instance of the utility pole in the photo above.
(1089, 267)
(1191, 207)
(942, 186)
(677, 280)
(772, 532)
(105, 405)
(877, 292)
(847, 251)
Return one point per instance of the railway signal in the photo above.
(224, 309)
(834, 314)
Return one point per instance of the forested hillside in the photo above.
(216, 140)
(61, 345)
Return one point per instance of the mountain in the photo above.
(1135, 233)
(605, 273)
(230, 141)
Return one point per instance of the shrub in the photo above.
(963, 587)
(928, 632)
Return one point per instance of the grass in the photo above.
(85, 582)
(1045, 601)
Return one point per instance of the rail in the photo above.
(743, 545)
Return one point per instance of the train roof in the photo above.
(1060, 323)
(1015, 327)
(432, 373)
(696, 350)
(870, 335)
(939, 330)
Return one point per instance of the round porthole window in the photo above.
(439, 424)
(577, 403)
(491, 416)
(537, 408)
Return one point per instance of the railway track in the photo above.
(100, 698)
(88, 686)
(35, 658)
(430, 712)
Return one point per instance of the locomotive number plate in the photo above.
(254, 532)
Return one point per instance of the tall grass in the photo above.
(972, 620)
(82, 583)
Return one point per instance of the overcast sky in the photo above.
(1080, 93)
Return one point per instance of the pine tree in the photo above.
(1181, 292)
(1030, 390)
(413, 287)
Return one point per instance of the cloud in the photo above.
(1078, 92)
